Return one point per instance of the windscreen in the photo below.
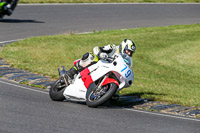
(128, 60)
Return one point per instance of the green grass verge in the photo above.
(109, 1)
(166, 62)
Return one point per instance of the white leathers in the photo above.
(85, 62)
(99, 52)
(109, 49)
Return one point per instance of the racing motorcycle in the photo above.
(8, 8)
(96, 84)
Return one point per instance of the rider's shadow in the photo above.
(128, 101)
(124, 101)
(19, 21)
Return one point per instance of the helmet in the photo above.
(127, 46)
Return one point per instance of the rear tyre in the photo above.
(96, 97)
(56, 91)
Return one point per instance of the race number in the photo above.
(128, 73)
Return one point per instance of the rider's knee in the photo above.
(86, 59)
(85, 56)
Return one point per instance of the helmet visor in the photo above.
(128, 52)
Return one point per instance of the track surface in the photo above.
(23, 109)
(40, 20)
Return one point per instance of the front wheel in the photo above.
(98, 96)
(56, 91)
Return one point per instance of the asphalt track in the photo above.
(37, 20)
(24, 109)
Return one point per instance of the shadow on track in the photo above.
(121, 102)
(19, 21)
(134, 99)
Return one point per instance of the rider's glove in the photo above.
(107, 47)
(103, 55)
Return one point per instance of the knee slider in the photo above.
(85, 56)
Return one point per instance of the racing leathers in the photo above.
(90, 58)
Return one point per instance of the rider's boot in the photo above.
(73, 71)
(67, 76)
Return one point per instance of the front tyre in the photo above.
(56, 91)
(96, 97)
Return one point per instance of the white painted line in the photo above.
(159, 114)
(26, 88)
(10, 41)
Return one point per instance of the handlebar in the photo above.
(109, 59)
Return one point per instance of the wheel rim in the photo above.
(96, 94)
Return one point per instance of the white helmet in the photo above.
(127, 45)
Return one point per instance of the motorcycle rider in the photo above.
(7, 6)
(127, 46)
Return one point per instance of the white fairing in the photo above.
(77, 89)
(120, 66)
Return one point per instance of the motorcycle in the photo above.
(8, 8)
(96, 84)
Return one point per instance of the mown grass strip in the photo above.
(166, 62)
(109, 1)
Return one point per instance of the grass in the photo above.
(166, 62)
(109, 1)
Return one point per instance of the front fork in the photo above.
(106, 80)
(102, 81)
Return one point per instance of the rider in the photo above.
(7, 6)
(127, 46)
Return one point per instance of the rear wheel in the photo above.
(56, 90)
(98, 96)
